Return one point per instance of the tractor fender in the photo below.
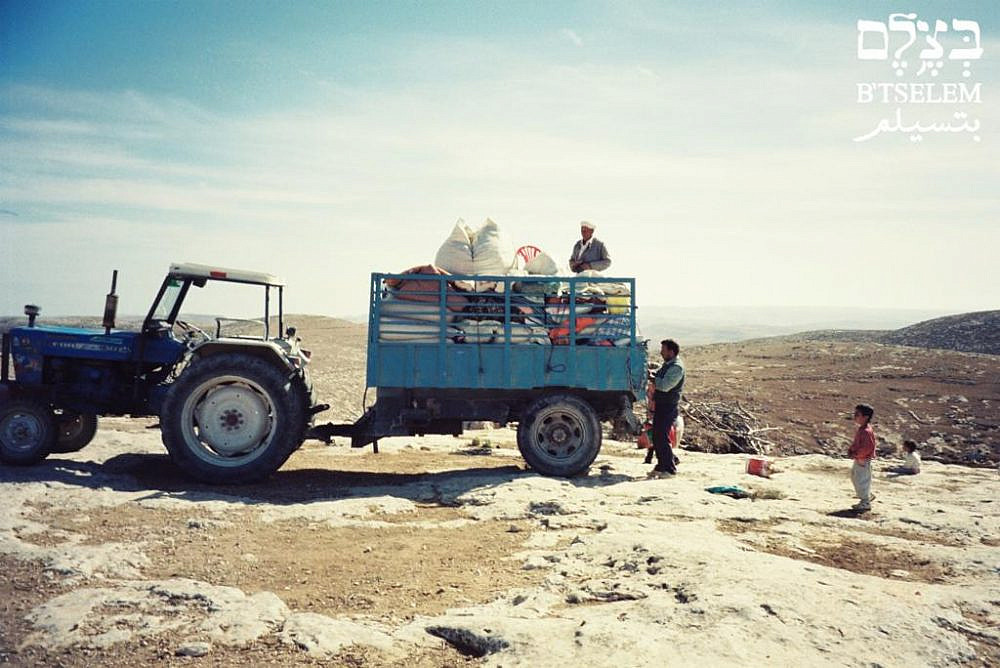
(263, 349)
(12, 391)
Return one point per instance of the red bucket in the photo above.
(646, 437)
(760, 467)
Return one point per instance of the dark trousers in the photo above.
(663, 418)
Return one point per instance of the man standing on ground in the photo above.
(669, 381)
(588, 252)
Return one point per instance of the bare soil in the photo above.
(947, 401)
(850, 554)
(392, 572)
(23, 586)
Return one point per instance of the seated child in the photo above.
(911, 462)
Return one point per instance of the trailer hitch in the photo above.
(326, 432)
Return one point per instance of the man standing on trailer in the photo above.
(588, 252)
(669, 381)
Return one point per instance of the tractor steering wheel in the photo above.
(192, 333)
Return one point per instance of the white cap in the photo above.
(589, 225)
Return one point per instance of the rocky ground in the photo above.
(977, 332)
(947, 401)
(438, 551)
(448, 552)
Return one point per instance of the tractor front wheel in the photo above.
(75, 431)
(232, 418)
(27, 432)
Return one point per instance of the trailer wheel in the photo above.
(74, 431)
(232, 418)
(559, 435)
(27, 432)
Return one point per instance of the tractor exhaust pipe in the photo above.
(111, 305)
(32, 312)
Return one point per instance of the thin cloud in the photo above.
(316, 191)
(571, 35)
(646, 72)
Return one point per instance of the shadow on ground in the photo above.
(157, 474)
(851, 513)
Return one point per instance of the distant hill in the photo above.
(123, 322)
(977, 332)
(719, 324)
(848, 335)
(86, 322)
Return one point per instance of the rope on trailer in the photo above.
(559, 368)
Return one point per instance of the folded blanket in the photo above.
(601, 288)
(393, 308)
(538, 287)
(491, 331)
(427, 291)
(560, 335)
(612, 327)
(399, 329)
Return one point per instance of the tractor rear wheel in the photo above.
(559, 435)
(304, 393)
(27, 432)
(233, 418)
(75, 431)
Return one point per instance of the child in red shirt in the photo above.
(863, 452)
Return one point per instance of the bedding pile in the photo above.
(466, 310)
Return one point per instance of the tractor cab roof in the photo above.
(189, 270)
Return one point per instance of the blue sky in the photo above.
(322, 141)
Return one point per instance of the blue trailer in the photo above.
(556, 355)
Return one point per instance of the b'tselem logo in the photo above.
(915, 51)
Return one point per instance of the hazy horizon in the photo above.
(729, 310)
(689, 325)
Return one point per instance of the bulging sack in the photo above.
(491, 255)
(455, 254)
(542, 264)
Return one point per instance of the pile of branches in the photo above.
(744, 430)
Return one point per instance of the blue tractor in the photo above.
(232, 408)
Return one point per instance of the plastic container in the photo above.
(618, 305)
(646, 437)
(759, 467)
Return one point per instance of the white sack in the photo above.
(542, 264)
(455, 254)
(491, 254)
